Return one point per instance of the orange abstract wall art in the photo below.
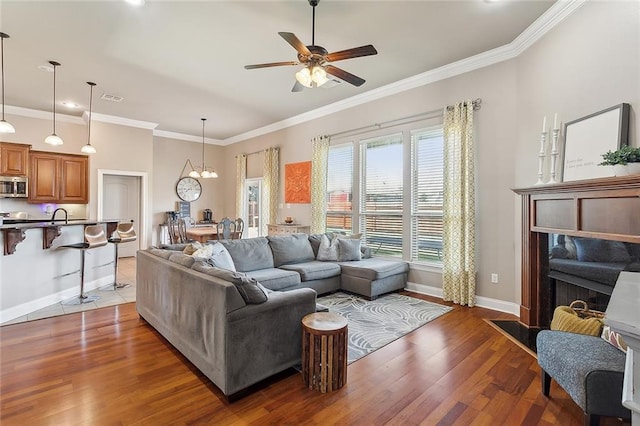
(297, 182)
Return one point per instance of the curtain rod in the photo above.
(477, 103)
(256, 152)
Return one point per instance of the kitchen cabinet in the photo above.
(58, 178)
(14, 159)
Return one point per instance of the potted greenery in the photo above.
(626, 160)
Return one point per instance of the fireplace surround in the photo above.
(605, 209)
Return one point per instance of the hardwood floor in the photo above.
(107, 366)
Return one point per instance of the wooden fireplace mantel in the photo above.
(606, 208)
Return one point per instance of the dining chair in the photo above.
(226, 229)
(177, 231)
(239, 227)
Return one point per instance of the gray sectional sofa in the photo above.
(220, 319)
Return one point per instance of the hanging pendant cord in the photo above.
(90, 102)
(203, 120)
(54, 99)
(2, 35)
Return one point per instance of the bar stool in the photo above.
(124, 233)
(94, 237)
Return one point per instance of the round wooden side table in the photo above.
(324, 351)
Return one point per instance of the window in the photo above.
(381, 205)
(340, 188)
(395, 197)
(427, 194)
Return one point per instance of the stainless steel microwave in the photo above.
(13, 187)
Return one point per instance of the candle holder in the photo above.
(543, 138)
(554, 155)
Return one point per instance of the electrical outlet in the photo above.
(494, 278)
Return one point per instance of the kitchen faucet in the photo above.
(66, 215)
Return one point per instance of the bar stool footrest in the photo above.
(79, 300)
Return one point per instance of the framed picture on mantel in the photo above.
(587, 138)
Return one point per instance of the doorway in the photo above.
(252, 200)
(122, 196)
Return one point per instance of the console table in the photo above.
(604, 208)
(283, 229)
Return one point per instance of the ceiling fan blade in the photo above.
(356, 52)
(297, 87)
(271, 64)
(296, 43)
(344, 75)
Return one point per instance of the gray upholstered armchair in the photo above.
(588, 368)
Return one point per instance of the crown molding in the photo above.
(43, 115)
(185, 137)
(112, 119)
(548, 20)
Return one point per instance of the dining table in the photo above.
(206, 233)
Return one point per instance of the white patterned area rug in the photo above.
(374, 324)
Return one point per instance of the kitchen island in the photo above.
(36, 271)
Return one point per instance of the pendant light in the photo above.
(5, 126)
(206, 173)
(54, 139)
(88, 148)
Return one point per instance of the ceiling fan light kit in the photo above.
(315, 59)
(54, 139)
(5, 126)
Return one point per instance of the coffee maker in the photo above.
(171, 216)
(207, 216)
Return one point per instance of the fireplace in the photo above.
(602, 209)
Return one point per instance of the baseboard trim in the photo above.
(481, 301)
(34, 305)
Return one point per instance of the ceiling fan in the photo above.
(315, 60)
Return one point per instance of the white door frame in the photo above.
(144, 194)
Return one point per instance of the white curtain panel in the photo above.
(270, 187)
(241, 178)
(458, 262)
(319, 155)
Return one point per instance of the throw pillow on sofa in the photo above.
(327, 250)
(349, 249)
(192, 247)
(221, 258)
(181, 259)
(250, 289)
(288, 249)
(204, 251)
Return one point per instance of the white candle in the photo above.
(544, 124)
(555, 121)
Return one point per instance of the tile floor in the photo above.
(108, 297)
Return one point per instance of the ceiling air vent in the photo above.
(112, 98)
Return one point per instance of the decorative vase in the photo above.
(288, 220)
(626, 169)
